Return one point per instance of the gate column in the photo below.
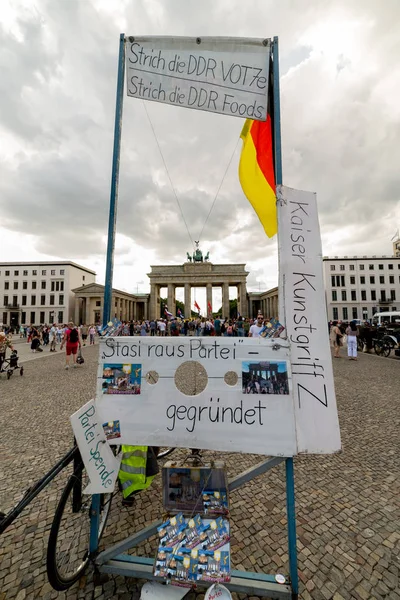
(225, 300)
(188, 301)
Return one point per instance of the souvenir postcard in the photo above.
(195, 532)
(186, 567)
(217, 534)
(272, 329)
(215, 502)
(165, 564)
(214, 566)
(172, 532)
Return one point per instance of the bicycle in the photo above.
(68, 550)
(382, 347)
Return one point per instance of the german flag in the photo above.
(256, 171)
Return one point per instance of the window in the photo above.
(23, 301)
(342, 280)
(61, 299)
(333, 267)
(373, 296)
(61, 286)
(43, 285)
(16, 273)
(393, 294)
(33, 300)
(33, 316)
(372, 279)
(43, 300)
(60, 316)
(53, 286)
(5, 302)
(15, 285)
(98, 302)
(41, 318)
(352, 280)
(25, 273)
(23, 318)
(371, 267)
(344, 295)
(34, 285)
(391, 278)
(62, 271)
(362, 279)
(381, 267)
(15, 301)
(381, 279)
(57, 286)
(335, 313)
(24, 285)
(390, 266)
(6, 285)
(374, 309)
(345, 313)
(334, 297)
(7, 273)
(355, 312)
(52, 272)
(353, 296)
(361, 267)
(333, 281)
(383, 296)
(363, 295)
(34, 272)
(51, 299)
(342, 267)
(44, 272)
(365, 312)
(83, 278)
(351, 267)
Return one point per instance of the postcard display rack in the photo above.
(193, 541)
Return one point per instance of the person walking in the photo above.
(53, 338)
(352, 334)
(92, 334)
(336, 339)
(72, 341)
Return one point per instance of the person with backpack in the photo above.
(72, 341)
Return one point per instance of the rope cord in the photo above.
(219, 188)
(166, 169)
(172, 185)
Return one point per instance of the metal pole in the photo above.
(114, 183)
(278, 169)
(291, 519)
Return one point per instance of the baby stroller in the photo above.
(11, 364)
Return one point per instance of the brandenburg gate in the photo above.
(199, 273)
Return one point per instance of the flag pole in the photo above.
(112, 220)
(290, 490)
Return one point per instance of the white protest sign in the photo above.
(101, 464)
(214, 393)
(299, 241)
(221, 75)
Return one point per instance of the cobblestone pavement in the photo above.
(348, 505)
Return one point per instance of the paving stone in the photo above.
(347, 505)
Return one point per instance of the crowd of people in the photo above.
(341, 331)
(197, 326)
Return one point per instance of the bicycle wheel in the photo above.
(164, 452)
(385, 350)
(360, 344)
(378, 348)
(68, 546)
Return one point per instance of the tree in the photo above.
(232, 310)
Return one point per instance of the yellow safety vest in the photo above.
(132, 471)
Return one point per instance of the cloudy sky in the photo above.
(340, 87)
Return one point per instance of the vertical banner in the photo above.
(315, 408)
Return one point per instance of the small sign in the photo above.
(101, 464)
(221, 75)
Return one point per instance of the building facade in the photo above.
(40, 292)
(89, 302)
(358, 287)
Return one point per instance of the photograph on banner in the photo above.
(265, 377)
(121, 378)
(221, 75)
(112, 430)
(211, 393)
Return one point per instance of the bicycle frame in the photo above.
(7, 519)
